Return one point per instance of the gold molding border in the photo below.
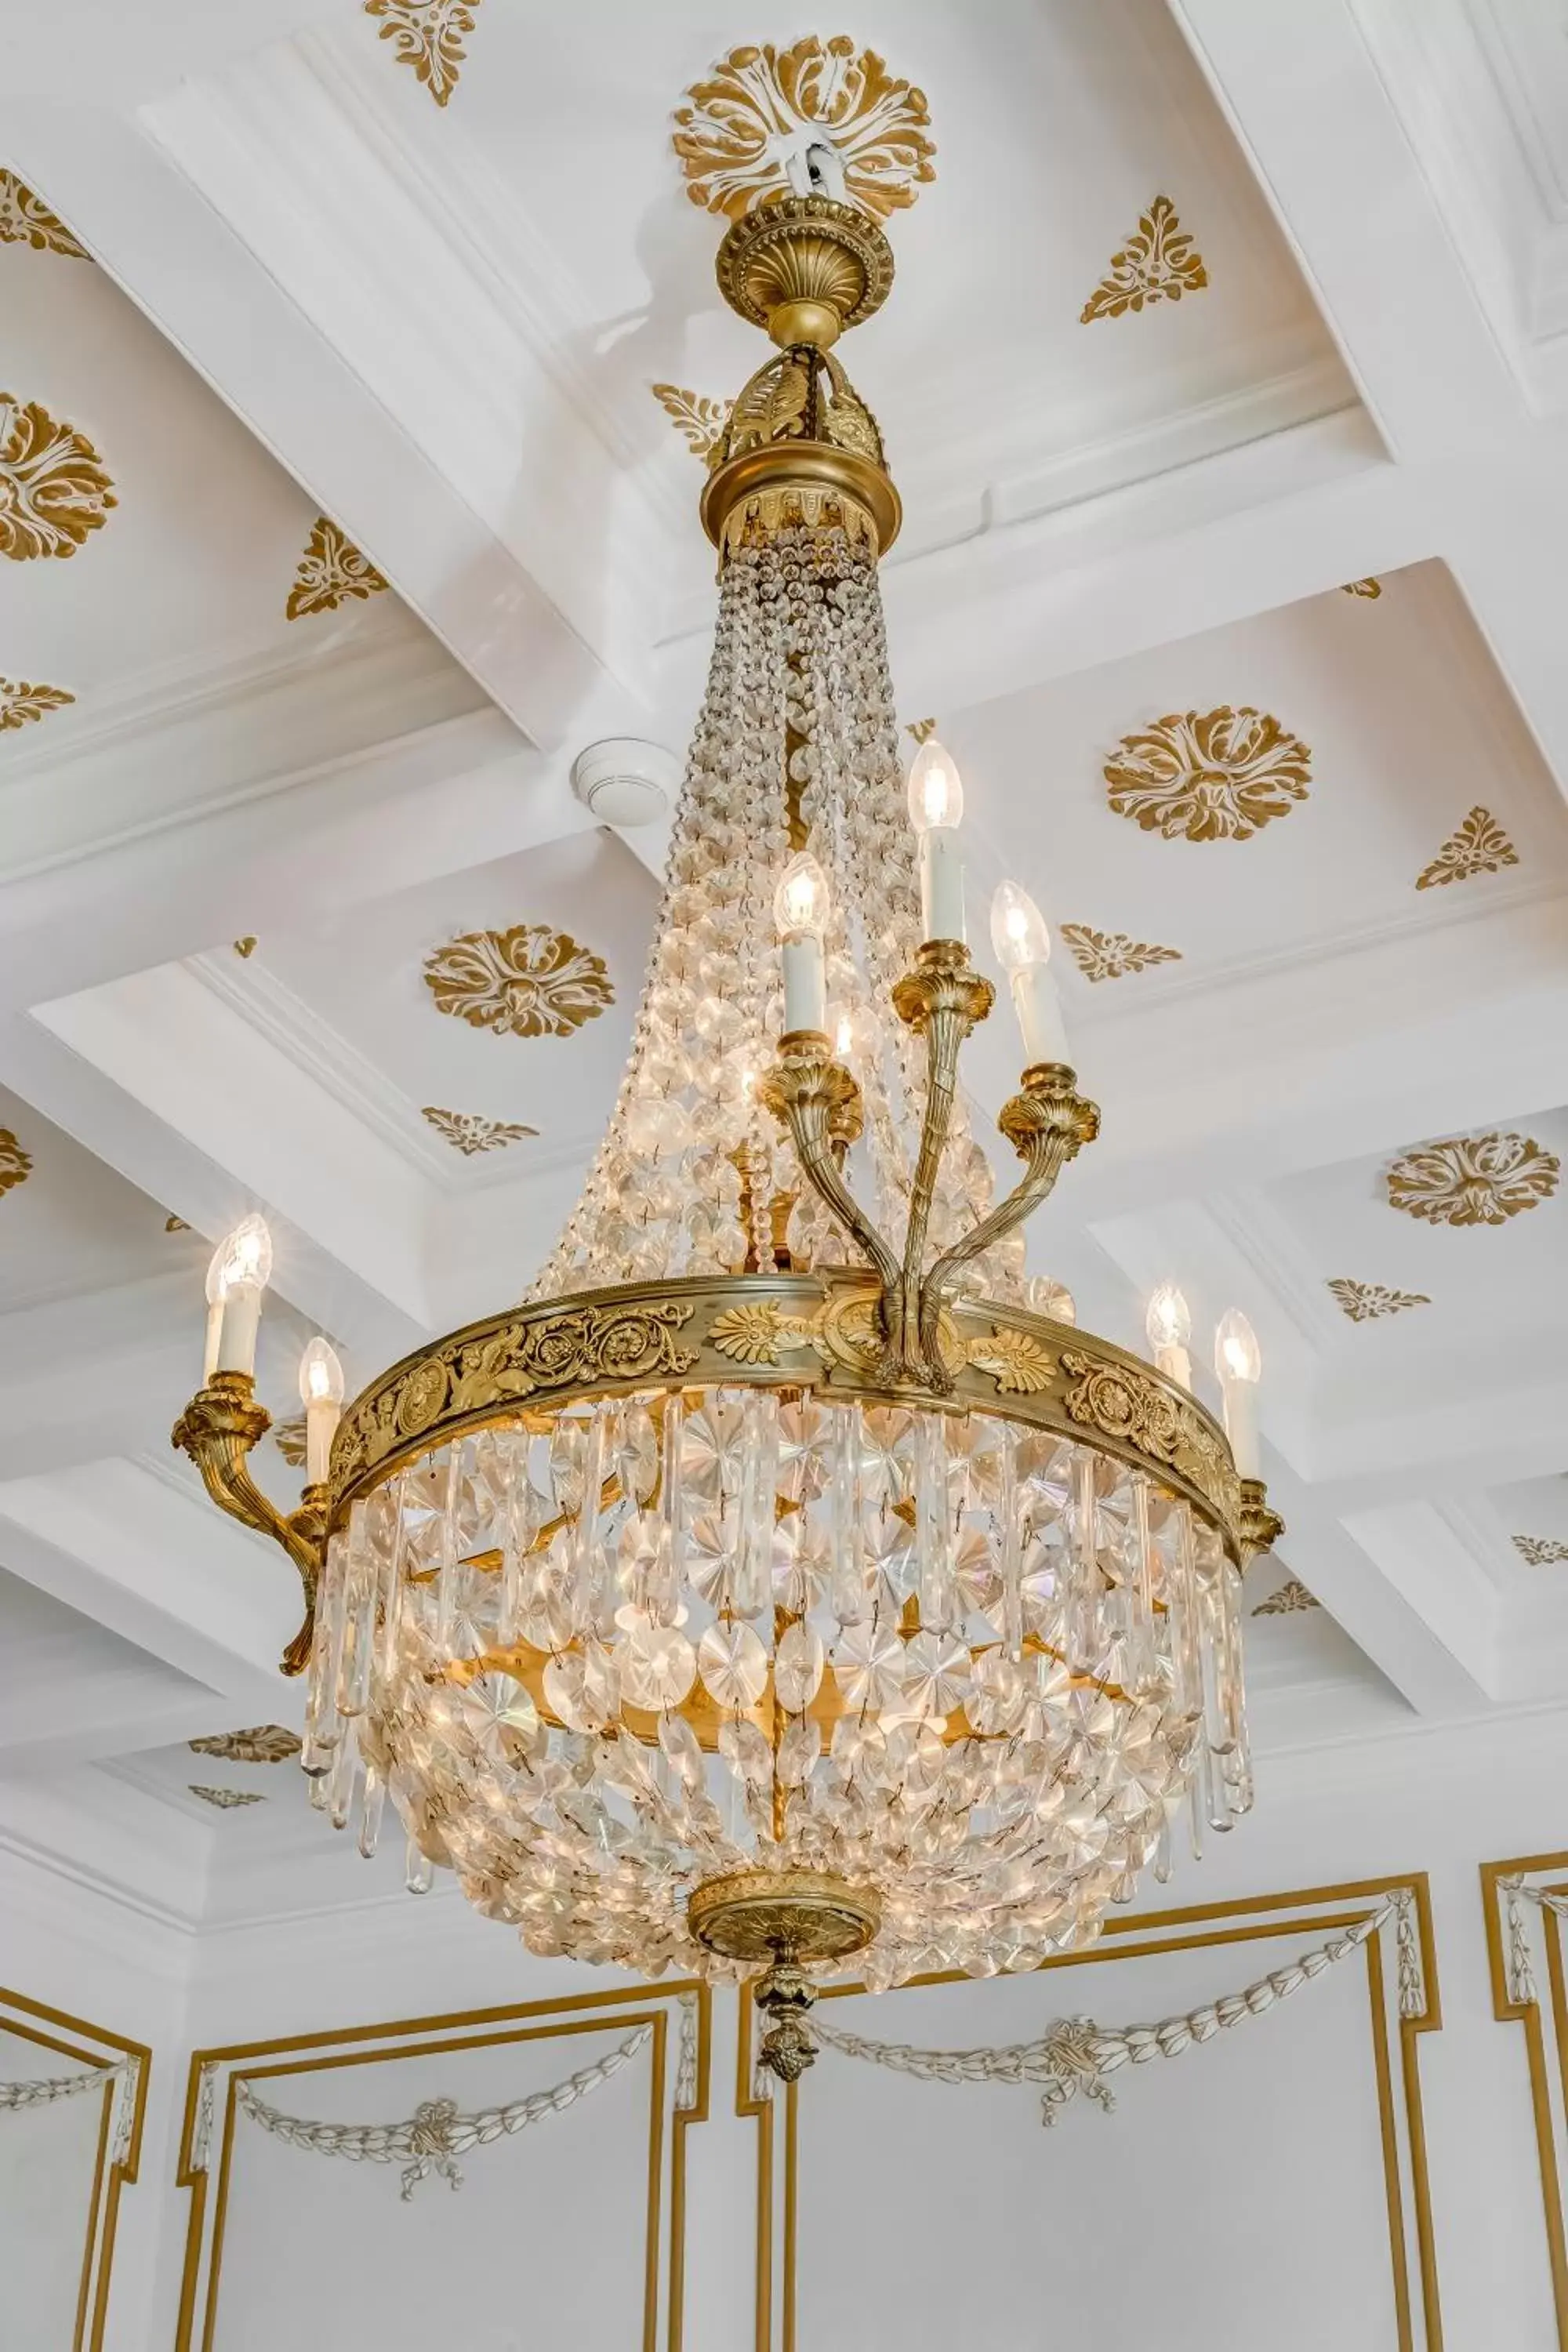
(430, 36)
(26, 219)
(1548, 1868)
(1158, 263)
(94, 2045)
(206, 2137)
(331, 571)
(1412, 2247)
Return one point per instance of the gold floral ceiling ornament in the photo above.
(1290, 1598)
(21, 704)
(470, 1134)
(701, 420)
(1157, 264)
(1211, 775)
(15, 1165)
(1369, 1302)
(246, 947)
(1476, 1179)
(226, 1800)
(173, 1225)
(920, 731)
(26, 219)
(1112, 955)
(1369, 588)
(331, 571)
(427, 34)
(760, 109)
(289, 1437)
(1540, 1551)
(264, 1743)
(1479, 845)
(529, 982)
(53, 485)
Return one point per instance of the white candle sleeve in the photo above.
(805, 982)
(241, 1320)
(942, 883)
(1039, 1016)
(321, 1417)
(215, 1334)
(1177, 1364)
(1241, 1426)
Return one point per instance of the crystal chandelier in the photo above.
(776, 1585)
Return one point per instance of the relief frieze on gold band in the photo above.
(761, 105)
(805, 1331)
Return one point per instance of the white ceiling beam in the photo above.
(79, 1377)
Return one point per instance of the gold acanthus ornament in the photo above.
(1479, 845)
(700, 418)
(54, 487)
(15, 1165)
(26, 219)
(262, 1743)
(1473, 1180)
(1209, 775)
(1112, 955)
(331, 571)
(528, 981)
(762, 109)
(1540, 1551)
(1158, 263)
(470, 1133)
(22, 705)
(428, 35)
(1369, 1302)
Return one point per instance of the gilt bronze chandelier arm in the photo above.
(1046, 1124)
(811, 1095)
(941, 1000)
(217, 1429)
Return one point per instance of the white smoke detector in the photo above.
(623, 781)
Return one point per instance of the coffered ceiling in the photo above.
(1223, 384)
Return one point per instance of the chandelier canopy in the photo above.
(777, 1584)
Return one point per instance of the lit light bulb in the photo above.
(1170, 1327)
(245, 1257)
(844, 1037)
(801, 901)
(322, 1392)
(239, 1275)
(936, 807)
(800, 910)
(936, 789)
(1239, 1361)
(1023, 946)
(1236, 1354)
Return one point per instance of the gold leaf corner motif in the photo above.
(1479, 845)
(1368, 1302)
(1540, 1551)
(226, 1800)
(246, 947)
(1368, 587)
(470, 1134)
(701, 419)
(759, 106)
(20, 703)
(26, 219)
(15, 1165)
(289, 1437)
(759, 1332)
(529, 981)
(1013, 1359)
(920, 731)
(1112, 955)
(53, 485)
(427, 34)
(1290, 1598)
(173, 1225)
(1478, 1179)
(1211, 775)
(264, 1743)
(1157, 264)
(331, 571)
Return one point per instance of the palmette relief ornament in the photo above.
(26, 219)
(1112, 955)
(1211, 775)
(1540, 1551)
(331, 571)
(529, 981)
(430, 36)
(227, 1800)
(1158, 263)
(54, 488)
(1479, 845)
(1369, 1302)
(263, 1743)
(1474, 1180)
(1290, 1598)
(1369, 588)
(15, 1165)
(702, 420)
(468, 1132)
(21, 704)
(762, 108)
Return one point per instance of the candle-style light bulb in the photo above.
(215, 1310)
(801, 904)
(1239, 1361)
(936, 810)
(241, 1274)
(321, 1395)
(1021, 945)
(1170, 1327)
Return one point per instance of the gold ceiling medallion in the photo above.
(226, 1800)
(289, 1437)
(1112, 955)
(1368, 1302)
(1479, 1180)
(175, 1225)
(700, 418)
(1368, 588)
(1479, 845)
(1540, 1551)
(264, 1743)
(1211, 775)
(427, 34)
(470, 1134)
(529, 981)
(331, 571)
(16, 1166)
(1290, 1598)
(20, 704)
(920, 731)
(26, 219)
(53, 485)
(761, 109)
(1157, 264)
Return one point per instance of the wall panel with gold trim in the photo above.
(1268, 2186)
(338, 2181)
(1529, 1988)
(65, 2156)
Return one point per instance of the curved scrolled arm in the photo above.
(813, 1097)
(217, 1429)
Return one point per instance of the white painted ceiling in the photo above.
(313, 292)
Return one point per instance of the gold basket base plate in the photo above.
(769, 1914)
